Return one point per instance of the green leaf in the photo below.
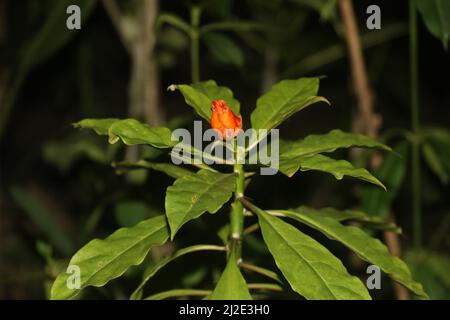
(318, 162)
(311, 270)
(345, 215)
(434, 162)
(100, 126)
(231, 285)
(283, 100)
(191, 196)
(171, 170)
(339, 215)
(137, 294)
(200, 96)
(223, 48)
(392, 172)
(436, 15)
(319, 143)
(439, 138)
(100, 261)
(130, 131)
(366, 247)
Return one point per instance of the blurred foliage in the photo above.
(50, 38)
(43, 220)
(431, 269)
(436, 15)
(391, 172)
(65, 153)
(58, 189)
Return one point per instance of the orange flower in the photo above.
(226, 123)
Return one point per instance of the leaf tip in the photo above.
(326, 101)
(76, 124)
(113, 139)
(172, 87)
(290, 174)
(172, 233)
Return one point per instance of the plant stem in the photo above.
(264, 286)
(250, 229)
(366, 121)
(195, 44)
(265, 272)
(415, 126)
(237, 210)
(178, 293)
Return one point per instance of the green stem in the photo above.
(265, 272)
(136, 295)
(264, 286)
(415, 126)
(178, 293)
(195, 44)
(250, 229)
(237, 210)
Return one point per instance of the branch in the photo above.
(367, 121)
(393, 244)
(113, 11)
